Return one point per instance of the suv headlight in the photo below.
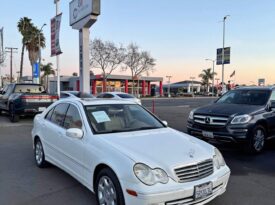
(150, 176)
(218, 159)
(191, 115)
(241, 119)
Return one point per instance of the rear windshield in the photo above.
(29, 89)
(82, 95)
(125, 96)
(245, 97)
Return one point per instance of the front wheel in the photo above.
(107, 189)
(39, 154)
(257, 140)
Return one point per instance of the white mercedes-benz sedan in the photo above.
(126, 155)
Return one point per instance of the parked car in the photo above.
(120, 96)
(126, 155)
(244, 115)
(75, 94)
(24, 99)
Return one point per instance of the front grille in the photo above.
(195, 171)
(210, 120)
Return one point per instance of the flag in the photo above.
(55, 30)
(232, 74)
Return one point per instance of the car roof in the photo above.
(115, 93)
(255, 88)
(97, 101)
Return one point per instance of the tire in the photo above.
(39, 155)
(13, 117)
(257, 140)
(108, 189)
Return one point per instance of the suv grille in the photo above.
(195, 171)
(210, 120)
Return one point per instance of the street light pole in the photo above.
(213, 61)
(192, 87)
(223, 87)
(169, 77)
(39, 62)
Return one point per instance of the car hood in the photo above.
(165, 148)
(227, 109)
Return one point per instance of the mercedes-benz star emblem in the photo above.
(191, 153)
(207, 120)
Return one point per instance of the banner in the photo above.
(55, 30)
(226, 59)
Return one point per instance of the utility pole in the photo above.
(213, 61)
(39, 61)
(223, 87)
(169, 81)
(10, 50)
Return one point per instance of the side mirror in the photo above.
(74, 133)
(165, 123)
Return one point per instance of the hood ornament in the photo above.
(191, 153)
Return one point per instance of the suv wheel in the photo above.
(257, 140)
(13, 116)
(108, 189)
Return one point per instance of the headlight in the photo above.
(218, 159)
(191, 115)
(150, 176)
(241, 119)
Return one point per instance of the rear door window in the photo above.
(73, 119)
(59, 113)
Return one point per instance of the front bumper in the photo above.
(175, 193)
(228, 133)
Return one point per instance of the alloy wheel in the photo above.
(259, 139)
(106, 191)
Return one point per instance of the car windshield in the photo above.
(29, 89)
(125, 95)
(120, 118)
(246, 97)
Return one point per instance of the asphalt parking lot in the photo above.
(21, 182)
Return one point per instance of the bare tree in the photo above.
(106, 56)
(138, 62)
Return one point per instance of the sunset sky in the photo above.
(180, 34)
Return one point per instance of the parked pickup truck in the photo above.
(24, 99)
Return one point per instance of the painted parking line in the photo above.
(183, 106)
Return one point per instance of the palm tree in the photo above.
(24, 26)
(33, 45)
(207, 75)
(47, 70)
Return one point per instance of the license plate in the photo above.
(41, 109)
(203, 190)
(207, 134)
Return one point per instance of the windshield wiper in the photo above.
(145, 128)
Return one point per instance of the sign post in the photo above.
(83, 14)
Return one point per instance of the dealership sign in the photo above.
(226, 56)
(55, 30)
(79, 9)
